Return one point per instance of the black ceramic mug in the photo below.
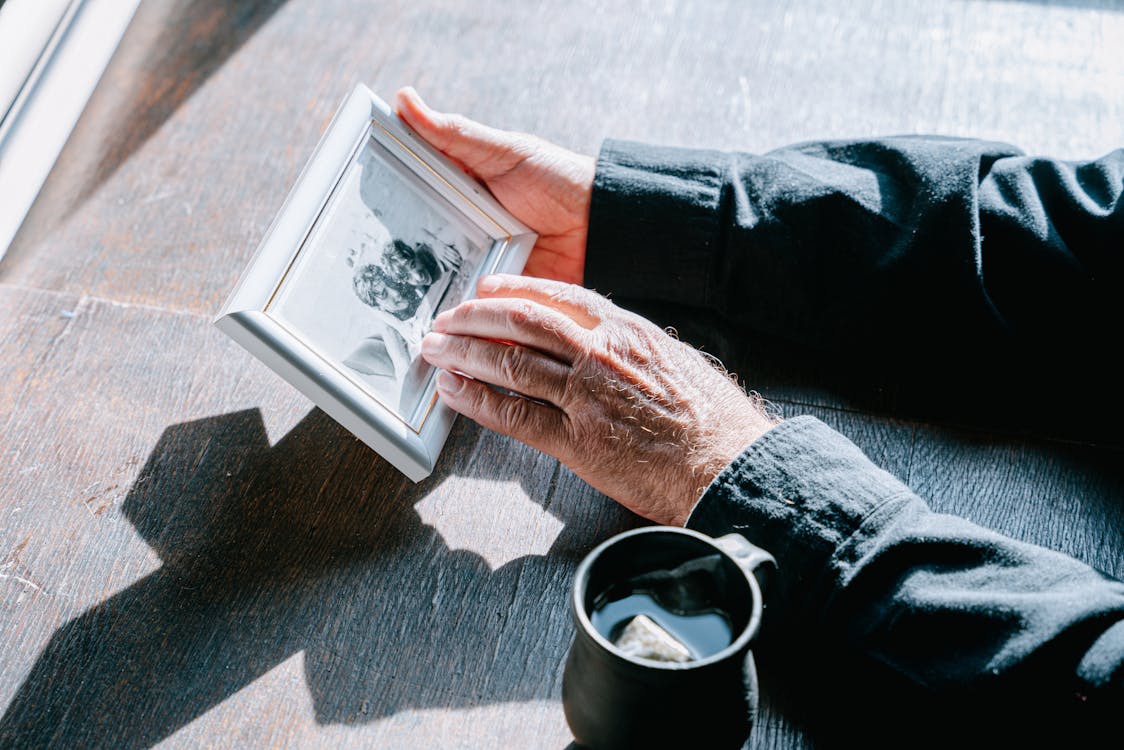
(614, 698)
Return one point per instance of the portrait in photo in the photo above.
(382, 261)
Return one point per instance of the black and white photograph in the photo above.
(385, 257)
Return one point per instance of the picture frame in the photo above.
(379, 233)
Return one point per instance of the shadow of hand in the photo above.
(310, 545)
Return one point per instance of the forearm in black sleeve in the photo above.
(955, 610)
(928, 245)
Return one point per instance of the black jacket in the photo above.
(950, 254)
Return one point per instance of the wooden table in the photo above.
(191, 555)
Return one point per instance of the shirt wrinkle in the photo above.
(752, 238)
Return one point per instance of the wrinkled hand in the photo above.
(543, 185)
(639, 415)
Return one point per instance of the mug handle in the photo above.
(749, 557)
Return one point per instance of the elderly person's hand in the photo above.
(639, 415)
(544, 186)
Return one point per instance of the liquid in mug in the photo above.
(703, 632)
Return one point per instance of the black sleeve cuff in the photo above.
(654, 223)
(800, 492)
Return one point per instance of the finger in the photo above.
(518, 321)
(551, 264)
(585, 307)
(415, 113)
(486, 151)
(538, 425)
(514, 367)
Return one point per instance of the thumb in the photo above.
(486, 151)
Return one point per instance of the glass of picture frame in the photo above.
(379, 234)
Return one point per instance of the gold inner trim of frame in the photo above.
(316, 219)
(359, 384)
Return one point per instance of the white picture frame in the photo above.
(379, 233)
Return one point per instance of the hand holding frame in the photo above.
(641, 416)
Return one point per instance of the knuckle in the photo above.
(579, 389)
(460, 349)
(598, 301)
(514, 416)
(513, 363)
(599, 357)
(593, 307)
(641, 326)
(594, 299)
(473, 401)
(656, 339)
(522, 315)
(566, 293)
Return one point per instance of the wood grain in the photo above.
(173, 552)
(192, 556)
(210, 109)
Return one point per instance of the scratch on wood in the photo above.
(510, 608)
(97, 510)
(44, 356)
(14, 555)
(163, 195)
(100, 500)
(10, 564)
(552, 486)
(19, 579)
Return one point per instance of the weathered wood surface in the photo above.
(190, 555)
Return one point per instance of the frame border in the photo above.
(245, 316)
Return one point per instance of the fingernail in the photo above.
(440, 323)
(488, 283)
(433, 343)
(449, 383)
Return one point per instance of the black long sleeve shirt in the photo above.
(933, 250)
